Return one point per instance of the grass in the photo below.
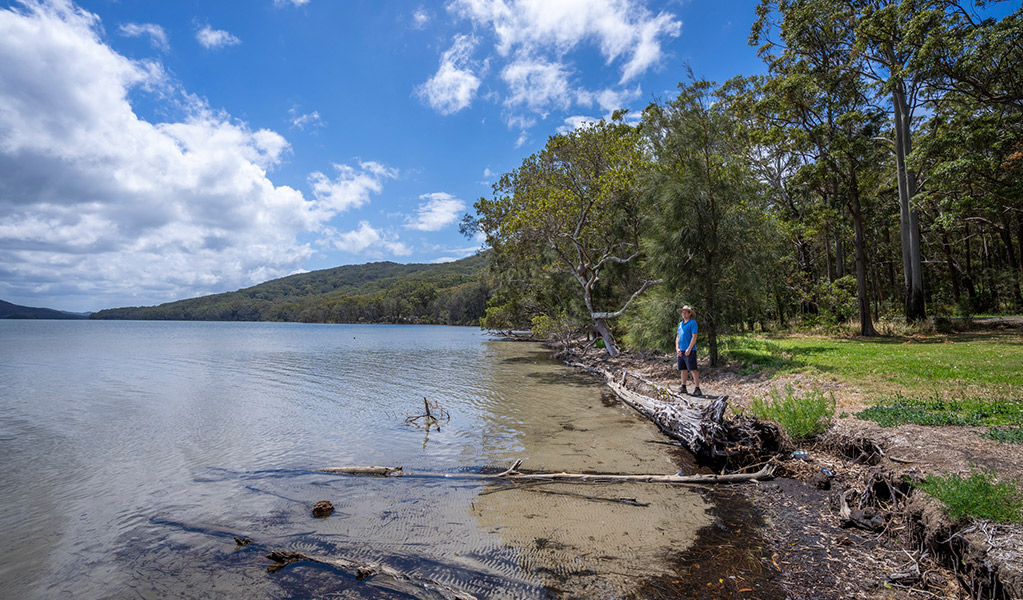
(979, 496)
(1005, 435)
(802, 417)
(937, 411)
(983, 364)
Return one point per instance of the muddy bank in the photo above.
(791, 539)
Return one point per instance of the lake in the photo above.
(134, 452)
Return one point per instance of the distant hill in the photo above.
(452, 293)
(13, 311)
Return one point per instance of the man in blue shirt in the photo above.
(685, 348)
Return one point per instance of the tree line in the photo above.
(873, 172)
(446, 294)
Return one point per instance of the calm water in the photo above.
(134, 452)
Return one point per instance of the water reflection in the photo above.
(135, 452)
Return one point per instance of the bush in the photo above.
(802, 417)
(977, 496)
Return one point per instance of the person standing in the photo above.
(685, 348)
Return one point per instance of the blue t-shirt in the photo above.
(686, 331)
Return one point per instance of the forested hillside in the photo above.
(14, 311)
(384, 292)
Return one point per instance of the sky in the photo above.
(156, 151)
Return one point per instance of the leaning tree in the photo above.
(573, 206)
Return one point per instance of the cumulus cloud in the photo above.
(454, 85)
(98, 204)
(351, 187)
(280, 3)
(440, 210)
(156, 34)
(536, 41)
(368, 241)
(213, 39)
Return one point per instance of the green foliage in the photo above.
(708, 235)
(938, 411)
(570, 209)
(803, 417)
(651, 323)
(1005, 435)
(978, 496)
(451, 293)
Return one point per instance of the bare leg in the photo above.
(685, 376)
(696, 378)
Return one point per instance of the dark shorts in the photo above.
(686, 363)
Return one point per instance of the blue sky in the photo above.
(153, 151)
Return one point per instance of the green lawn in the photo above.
(988, 364)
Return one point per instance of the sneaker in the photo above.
(683, 390)
(697, 392)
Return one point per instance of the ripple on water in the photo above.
(136, 451)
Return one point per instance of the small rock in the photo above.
(323, 509)
(242, 541)
(820, 481)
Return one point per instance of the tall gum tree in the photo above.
(575, 206)
(825, 111)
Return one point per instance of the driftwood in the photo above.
(696, 421)
(513, 474)
(412, 585)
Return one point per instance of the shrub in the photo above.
(978, 496)
(802, 417)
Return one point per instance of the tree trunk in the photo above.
(953, 268)
(910, 224)
(607, 336)
(1010, 253)
(866, 324)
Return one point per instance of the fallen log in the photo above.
(513, 474)
(697, 421)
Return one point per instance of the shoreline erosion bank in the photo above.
(797, 536)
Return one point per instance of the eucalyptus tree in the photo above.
(814, 95)
(708, 227)
(573, 208)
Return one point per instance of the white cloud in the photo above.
(420, 18)
(301, 121)
(537, 84)
(576, 122)
(454, 85)
(157, 36)
(98, 204)
(440, 210)
(280, 3)
(537, 40)
(213, 39)
(351, 188)
(368, 240)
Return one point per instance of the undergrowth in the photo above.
(803, 417)
(979, 496)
